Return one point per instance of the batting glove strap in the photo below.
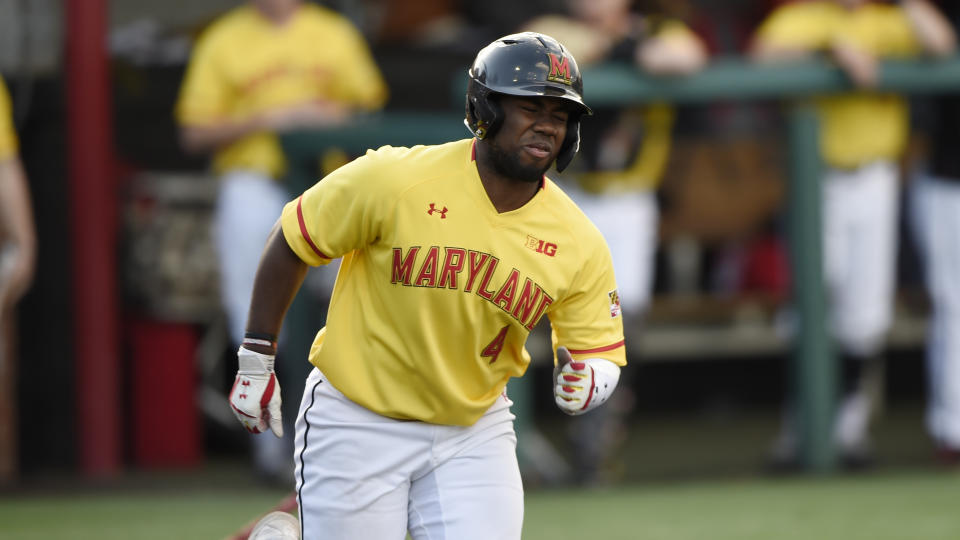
(254, 363)
(255, 396)
(584, 385)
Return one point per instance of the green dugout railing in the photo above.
(725, 79)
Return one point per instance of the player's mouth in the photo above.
(538, 150)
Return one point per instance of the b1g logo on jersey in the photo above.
(614, 303)
(559, 69)
(547, 248)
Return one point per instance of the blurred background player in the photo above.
(451, 255)
(18, 249)
(936, 219)
(266, 67)
(863, 136)
(616, 179)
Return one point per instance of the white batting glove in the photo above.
(255, 396)
(583, 385)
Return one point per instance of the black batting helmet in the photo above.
(525, 64)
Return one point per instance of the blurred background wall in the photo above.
(712, 337)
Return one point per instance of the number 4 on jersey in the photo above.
(492, 350)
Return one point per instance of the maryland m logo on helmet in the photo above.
(559, 69)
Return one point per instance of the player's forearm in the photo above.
(16, 222)
(934, 31)
(861, 66)
(767, 52)
(197, 139)
(278, 279)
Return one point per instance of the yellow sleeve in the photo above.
(205, 94)
(895, 35)
(340, 213)
(803, 26)
(8, 137)
(359, 80)
(588, 320)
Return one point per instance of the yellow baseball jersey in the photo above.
(244, 65)
(437, 291)
(858, 127)
(8, 137)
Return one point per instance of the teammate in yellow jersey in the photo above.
(863, 134)
(18, 248)
(451, 254)
(265, 67)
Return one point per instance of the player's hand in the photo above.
(255, 396)
(580, 386)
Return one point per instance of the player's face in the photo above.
(527, 143)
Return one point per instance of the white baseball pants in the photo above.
(248, 204)
(860, 248)
(362, 476)
(936, 216)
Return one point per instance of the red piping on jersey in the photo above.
(303, 230)
(616, 345)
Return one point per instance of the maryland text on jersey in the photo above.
(473, 270)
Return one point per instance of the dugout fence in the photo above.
(726, 79)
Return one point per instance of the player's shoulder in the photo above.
(419, 158)
(394, 167)
(229, 24)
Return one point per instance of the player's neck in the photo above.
(505, 193)
(277, 15)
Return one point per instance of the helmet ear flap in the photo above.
(483, 113)
(570, 146)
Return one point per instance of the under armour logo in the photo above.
(245, 383)
(433, 208)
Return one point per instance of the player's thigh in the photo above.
(353, 466)
(478, 494)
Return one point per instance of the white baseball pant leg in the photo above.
(248, 205)
(629, 223)
(936, 217)
(860, 247)
(361, 475)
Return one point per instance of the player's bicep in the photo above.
(341, 213)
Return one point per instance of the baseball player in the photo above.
(863, 135)
(936, 217)
(18, 247)
(265, 67)
(450, 256)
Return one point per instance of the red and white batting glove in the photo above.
(255, 396)
(583, 385)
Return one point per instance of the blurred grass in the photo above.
(204, 514)
(919, 504)
(903, 506)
